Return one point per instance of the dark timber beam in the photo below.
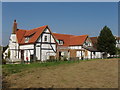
(91, 55)
(81, 55)
(21, 49)
(46, 49)
(51, 45)
(34, 52)
(41, 47)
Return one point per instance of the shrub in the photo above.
(3, 61)
(65, 59)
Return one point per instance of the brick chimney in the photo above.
(14, 27)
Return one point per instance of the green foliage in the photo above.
(65, 58)
(15, 68)
(3, 61)
(106, 41)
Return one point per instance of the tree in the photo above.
(106, 41)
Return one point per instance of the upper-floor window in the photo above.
(61, 42)
(27, 39)
(45, 39)
(87, 43)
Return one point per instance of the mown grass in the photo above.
(16, 68)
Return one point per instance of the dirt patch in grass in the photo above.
(88, 74)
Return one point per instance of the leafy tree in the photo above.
(106, 41)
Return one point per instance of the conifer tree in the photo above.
(106, 41)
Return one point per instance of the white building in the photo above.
(75, 47)
(117, 41)
(38, 43)
(41, 44)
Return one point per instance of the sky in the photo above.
(76, 18)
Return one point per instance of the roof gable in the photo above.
(94, 41)
(33, 34)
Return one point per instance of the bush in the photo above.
(3, 61)
(52, 60)
(65, 59)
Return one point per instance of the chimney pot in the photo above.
(15, 20)
(14, 27)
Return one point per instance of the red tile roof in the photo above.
(78, 40)
(94, 41)
(21, 34)
(70, 40)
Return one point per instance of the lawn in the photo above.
(16, 68)
(101, 73)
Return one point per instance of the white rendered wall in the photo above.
(78, 54)
(89, 55)
(28, 46)
(13, 47)
(75, 47)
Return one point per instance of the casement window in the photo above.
(27, 39)
(86, 43)
(45, 38)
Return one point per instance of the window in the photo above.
(87, 43)
(60, 42)
(26, 39)
(45, 39)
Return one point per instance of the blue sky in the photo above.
(75, 18)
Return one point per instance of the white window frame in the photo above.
(61, 42)
(27, 39)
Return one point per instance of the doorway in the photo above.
(22, 55)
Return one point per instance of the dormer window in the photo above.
(27, 39)
(61, 42)
(45, 39)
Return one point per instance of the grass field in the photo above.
(66, 74)
(16, 68)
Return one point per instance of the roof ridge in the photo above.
(64, 34)
(71, 35)
(39, 27)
